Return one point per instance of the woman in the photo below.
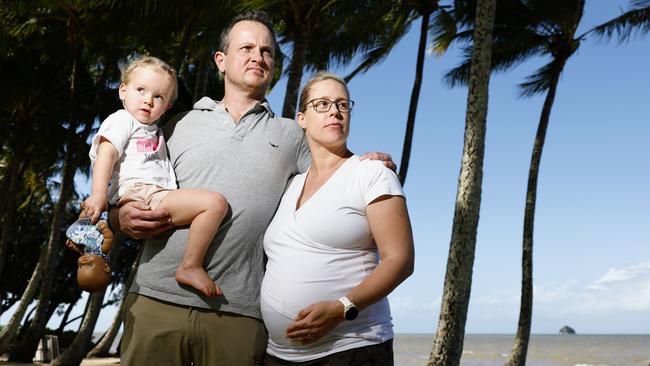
(324, 292)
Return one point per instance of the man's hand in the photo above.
(137, 220)
(385, 157)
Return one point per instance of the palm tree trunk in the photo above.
(201, 81)
(448, 344)
(8, 209)
(27, 346)
(415, 96)
(295, 75)
(520, 348)
(25, 350)
(104, 345)
(10, 330)
(82, 341)
(186, 37)
(66, 316)
(28, 318)
(41, 277)
(75, 352)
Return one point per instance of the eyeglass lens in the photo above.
(324, 105)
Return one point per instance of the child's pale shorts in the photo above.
(150, 194)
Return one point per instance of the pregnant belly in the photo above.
(294, 280)
(276, 324)
(282, 298)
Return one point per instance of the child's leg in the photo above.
(203, 210)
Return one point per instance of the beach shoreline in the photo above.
(493, 350)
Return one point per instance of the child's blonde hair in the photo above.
(152, 63)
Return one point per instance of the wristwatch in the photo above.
(350, 311)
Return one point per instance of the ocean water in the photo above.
(543, 350)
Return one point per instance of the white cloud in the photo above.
(487, 300)
(619, 289)
(411, 314)
(400, 303)
(628, 273)
(612, 302)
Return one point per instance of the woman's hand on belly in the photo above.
(315, 321)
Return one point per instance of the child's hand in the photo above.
(94, 206)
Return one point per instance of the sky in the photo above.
(591, 243)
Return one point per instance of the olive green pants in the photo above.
(161, 333)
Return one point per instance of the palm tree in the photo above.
(300, 22)
(103, 347)
(191, 29)
(424, 8)
(90, 53)
(448, 344)
(77, 349)
(635, 19)
(26, 348)
(325, 33)
(27, 103)
(32, 212)
(442, 28)
(73, 141)
(30, 112)
(25, 114)
(79, 346)
(91, 56)
(524, 29)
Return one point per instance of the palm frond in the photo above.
(540, 81)
(370, 59)
(443, 31)
(459, 75)
(562, 15)
(634, 22)
(510, 47)
(373, 49)
(509, 50)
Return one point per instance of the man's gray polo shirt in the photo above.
(250, 163)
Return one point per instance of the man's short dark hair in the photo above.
(253, 16)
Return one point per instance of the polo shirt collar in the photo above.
(263, 105)
(207, 103)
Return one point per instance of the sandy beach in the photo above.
(86, 362)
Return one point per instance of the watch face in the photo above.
(351, 313)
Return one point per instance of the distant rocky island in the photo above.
(567, 330)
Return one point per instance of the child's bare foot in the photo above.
(199, 279)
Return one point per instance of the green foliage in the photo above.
(523, 29)
(62, 63)
(64, 59)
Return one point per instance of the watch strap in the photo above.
(350, 311)
(346, 302)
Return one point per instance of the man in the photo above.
(237, 147)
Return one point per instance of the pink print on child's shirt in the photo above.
(149, 144)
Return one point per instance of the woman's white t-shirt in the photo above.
(320, 252)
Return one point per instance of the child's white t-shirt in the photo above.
(142, 154)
